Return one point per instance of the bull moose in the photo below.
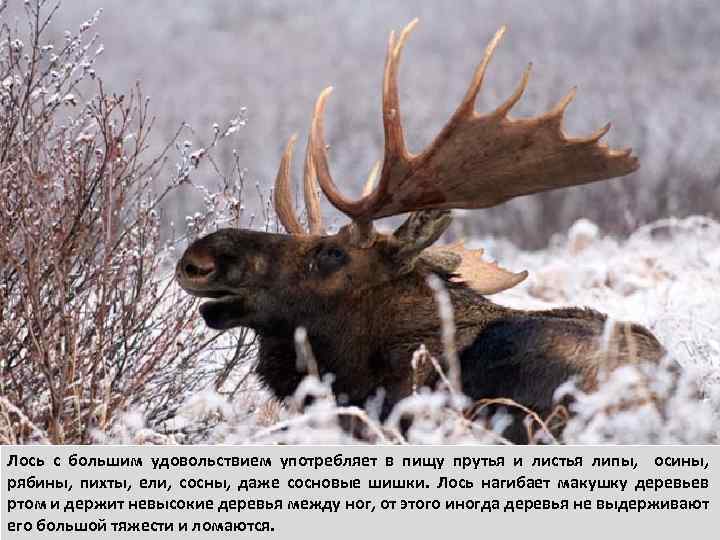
(363, 296)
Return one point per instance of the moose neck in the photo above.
(368, 343)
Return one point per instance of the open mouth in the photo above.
(217, 294)
(224, 299)
(218, 299)
(223, 310)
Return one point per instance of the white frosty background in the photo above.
(666, 276)
(649, 66)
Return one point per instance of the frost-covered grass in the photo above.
(666, 276)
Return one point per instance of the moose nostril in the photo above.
(195, 271)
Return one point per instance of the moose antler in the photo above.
(477, 161)
(283, 194)
(469, 267)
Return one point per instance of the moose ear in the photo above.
(420, 230)
(423, 228)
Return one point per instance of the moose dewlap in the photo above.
(363, 296)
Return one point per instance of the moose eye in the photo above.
(335, 253)
(331, 258)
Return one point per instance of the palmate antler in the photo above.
(477, 161)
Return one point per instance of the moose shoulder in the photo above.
(363, 296)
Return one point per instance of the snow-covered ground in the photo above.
(665, 276)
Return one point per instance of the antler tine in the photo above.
(318, 152)
(396, 155)
(283, 198)
(395, 150)
(504, 109)
(559, 109)
(394, 137)
(312, 199)
(467, 105)
(371, 179)
(596, 136)
(283, 194)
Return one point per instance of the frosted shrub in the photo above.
(92, 327)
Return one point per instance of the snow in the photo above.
(665, 276)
